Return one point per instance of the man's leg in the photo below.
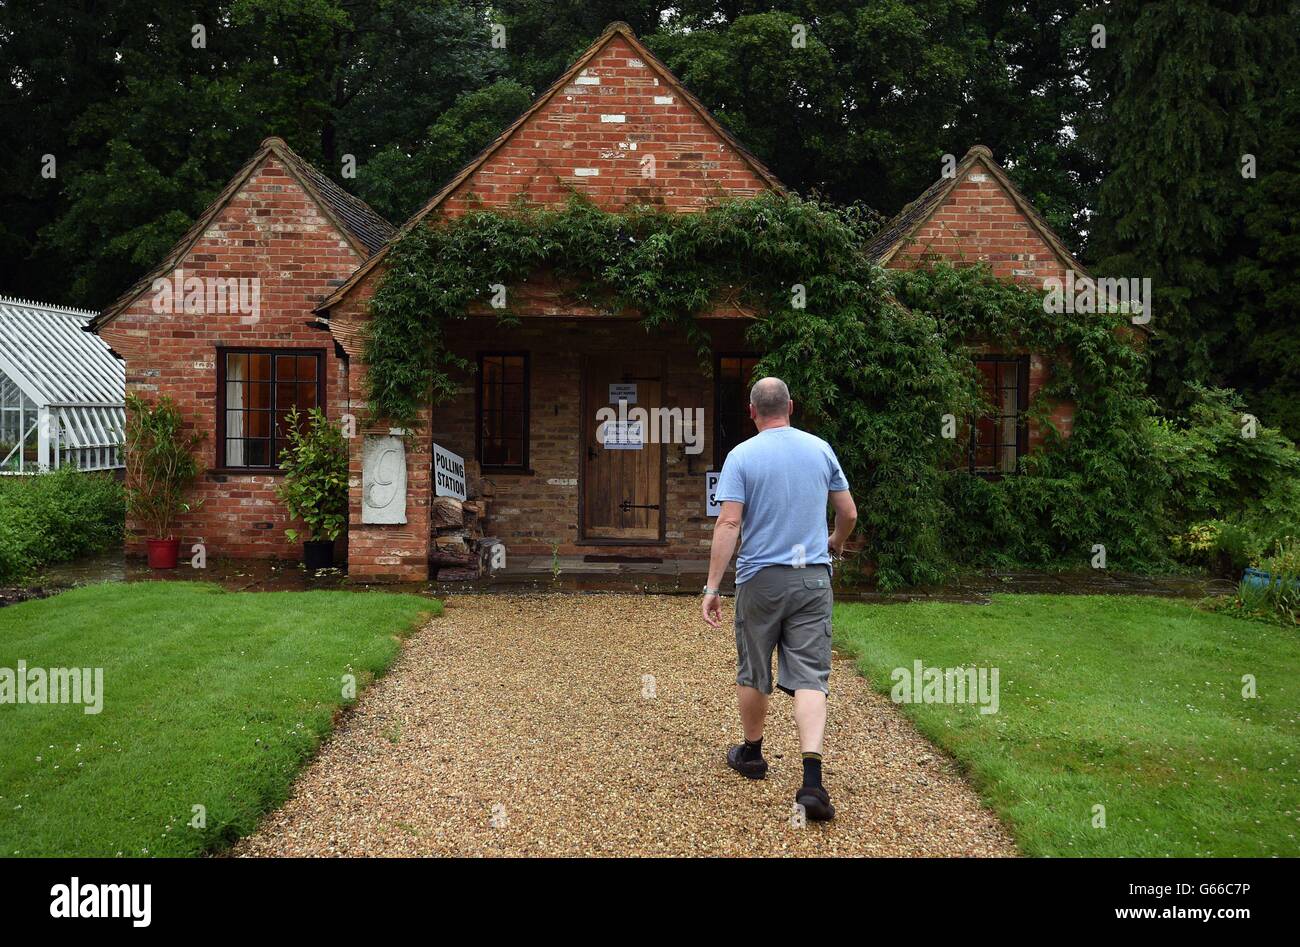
(753, 711)
(805, 652)
(810, 718)
(757, 630)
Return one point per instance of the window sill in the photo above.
(515, 471)
(246, 471)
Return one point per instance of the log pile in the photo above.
(460, 552)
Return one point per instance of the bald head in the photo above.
(770, 398)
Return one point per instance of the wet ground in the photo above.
(472, 744)
(573, 574)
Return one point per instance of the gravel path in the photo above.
(517, 725)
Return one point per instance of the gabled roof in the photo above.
(895, 234)
(354, 219)
(47, 353)
(617, 28)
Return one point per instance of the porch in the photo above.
(587, 445)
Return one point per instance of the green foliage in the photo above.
(315, 467)
(160, 463)
(872, 378)
(1234, 484)
(1283, 591)
(877, 360)
(57, 516)
(400, 178)
(1100, 484)
(146, 127)
(1278, 599)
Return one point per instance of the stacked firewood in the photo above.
(460, 550)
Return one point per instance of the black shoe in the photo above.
(816, 803)
(751, 769)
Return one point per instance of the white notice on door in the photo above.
(622, 391)
(623, 435)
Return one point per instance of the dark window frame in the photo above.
(718, 456)
(321, 401)
(1022, 421)
(522, 467)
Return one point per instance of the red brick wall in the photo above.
(617, 114)
(274, 232)
(979, 223)
(383, 552)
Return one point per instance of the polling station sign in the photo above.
(448, 474)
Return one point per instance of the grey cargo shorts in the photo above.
(787, 610)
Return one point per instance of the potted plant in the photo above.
(160, 470)
(315, 487)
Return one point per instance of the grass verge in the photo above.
(1132, 704)
(211, 699)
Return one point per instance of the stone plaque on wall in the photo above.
(383, 480)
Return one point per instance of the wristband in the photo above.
(709, 591)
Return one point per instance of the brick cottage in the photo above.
(297, 260)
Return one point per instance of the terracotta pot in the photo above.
(318, 554)
(163, 553)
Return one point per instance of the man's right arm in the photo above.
(846, 517)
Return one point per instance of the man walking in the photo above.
(773, 490)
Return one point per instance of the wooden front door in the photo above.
(622, 478)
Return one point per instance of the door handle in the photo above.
(591, 453)
(629, 505)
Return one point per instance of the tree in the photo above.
(1187, 89)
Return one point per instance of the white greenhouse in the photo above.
(62, 391)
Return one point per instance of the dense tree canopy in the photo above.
(1130, 139)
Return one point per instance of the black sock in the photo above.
(812, 770)
(752, 749)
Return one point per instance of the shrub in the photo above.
(54, 517)
(160, 463)
(1234, 484)
(315, 466)
(1283, 591)
(1277, 601)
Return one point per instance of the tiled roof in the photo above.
(895, 231)
(364, 229)
(371, 230)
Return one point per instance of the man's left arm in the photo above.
(846, 517)
(726, 531)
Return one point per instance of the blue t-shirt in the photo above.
(782, 475)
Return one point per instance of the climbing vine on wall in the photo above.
(875, 359)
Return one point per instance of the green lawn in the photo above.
(211, 698)
(1134, 704)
